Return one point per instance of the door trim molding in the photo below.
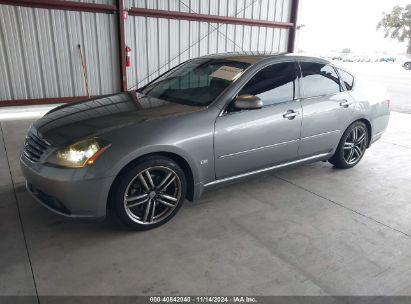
(223, 180)
(257, 149)
(320, 134)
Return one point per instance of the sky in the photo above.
(337, 24)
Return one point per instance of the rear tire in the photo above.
(149, 193)
(352, 146)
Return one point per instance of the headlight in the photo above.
(80, 154)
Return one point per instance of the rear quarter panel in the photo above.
(371, 103)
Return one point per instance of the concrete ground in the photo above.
(310, 230)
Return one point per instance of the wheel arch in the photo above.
(367, 124)
(181, 161)
(369, 128)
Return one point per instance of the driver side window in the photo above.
(273, 84)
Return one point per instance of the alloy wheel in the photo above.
(355, 145)
(152, 195)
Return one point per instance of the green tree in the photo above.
(397, 24)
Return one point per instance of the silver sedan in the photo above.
(206, 122)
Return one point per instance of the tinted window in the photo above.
(273, 84)
(319, 79)
(197, 82)
(347, 78)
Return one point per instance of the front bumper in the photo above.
(66, 191)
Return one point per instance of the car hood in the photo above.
(69, 123)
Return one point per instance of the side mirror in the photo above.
(248, 102)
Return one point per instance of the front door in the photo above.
(249, 140)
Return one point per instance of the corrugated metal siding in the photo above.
(111, 2)
(158, 44)
(274, 10)
(39, 57)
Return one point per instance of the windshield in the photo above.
(197, 82)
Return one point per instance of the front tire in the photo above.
(352, 146)
(149, 193)
(407, 66)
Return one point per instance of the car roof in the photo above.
(254, 57)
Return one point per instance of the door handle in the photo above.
(345, 103)
(291, 114)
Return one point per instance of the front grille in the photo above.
(34, 147)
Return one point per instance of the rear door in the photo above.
(327, 108)
(248, 140)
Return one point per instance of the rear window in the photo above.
(347, 78)
(319, 79)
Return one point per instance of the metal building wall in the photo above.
(39, 57)
(158, 44)
(94, 1)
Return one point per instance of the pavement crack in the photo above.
(19, 213)
(345, 207)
